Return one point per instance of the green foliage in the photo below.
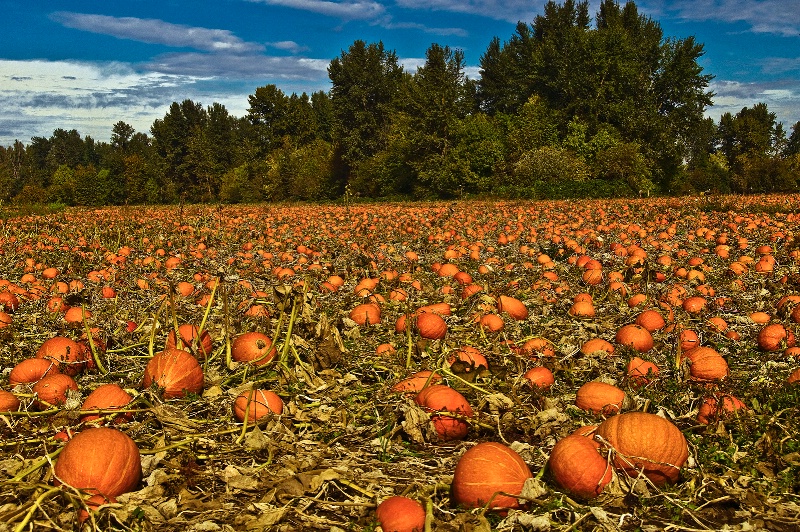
(549, 164)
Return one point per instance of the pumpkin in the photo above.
(775, 337)
(470, 358)
(578, 467)
(597, 345)
(540, 377)
(100, 460)
(600, 398)
(641, 372)
(253, 347)
(109, 396)
(174, 371)
(65, 352)
(257, 404)
(441, 398)
(8, 402)
(648, 443)
(415, 383)
(513, 307)
(32, 370)
(651, 320)
(52, 389)
(582, 309)
(431, 326)
(635, 336)
(197, 343)
(707, 364)
(491, 322)
(538, 347)
(366, 314)
(486, 470)
(694, 304)
(688, 340)
(400, 514)
(717, 407)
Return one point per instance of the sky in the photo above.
(86, 65)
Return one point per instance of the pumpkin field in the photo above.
(463, 366)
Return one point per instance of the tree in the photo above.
(121, 134)
(366, 80)
(438, 100)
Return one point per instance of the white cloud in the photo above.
(240, 67)
(288, 46)
(509, 10)
(155, 31)
(782, 98)
(349, 10)
(37, 97)
(781, 17)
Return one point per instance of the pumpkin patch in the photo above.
(403, 365)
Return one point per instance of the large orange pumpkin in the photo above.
(100, 460)
(486, 470)
(577, 466)
(775, 337)
(175, 371)
(717, 407)
(647, 443)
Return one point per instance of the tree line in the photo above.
(563, 108)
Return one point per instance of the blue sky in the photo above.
(87, 64)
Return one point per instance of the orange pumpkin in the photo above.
(540, 377)
(597, 345)
(431, 326)
(109, 396)
(400, 514)
(32, 370)
(197, 343)
(635, 336)
(775, 337)
(471, 357)
(257, 404)
(578, 467)
(52, 389)
(441, 398)
(513, 307)
(101, 461)
(366, 314)
(417, 382)
(65, 352)
(707, 364)
(8, 402)
(717, 407)
(641, 372)
(175, 372)
(485, 473)
(600, 398)
(253, 347)
(651, 320)
(647, 443)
